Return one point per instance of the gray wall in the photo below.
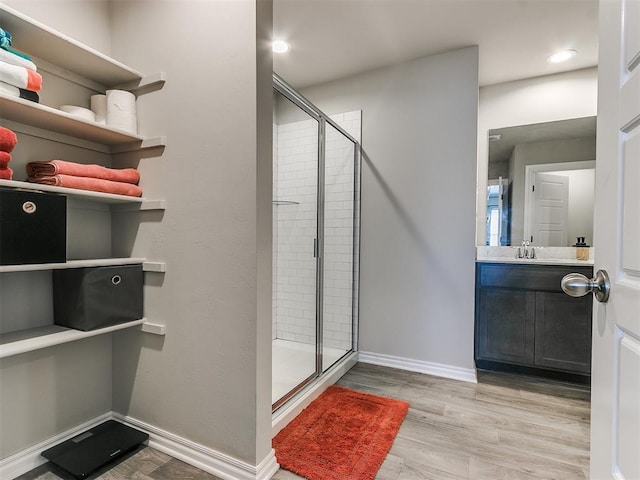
(419, 123)
(209, 379)
(87, 21)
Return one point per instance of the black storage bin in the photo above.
(97, 297)
(33, 227)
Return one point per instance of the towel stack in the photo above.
(8, 141)
(95, 178)
(18, 75)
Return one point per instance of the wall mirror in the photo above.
(540, 185)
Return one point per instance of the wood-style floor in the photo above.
(507, 427)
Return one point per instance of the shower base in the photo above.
(294, 362)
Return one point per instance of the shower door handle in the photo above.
(315, 248)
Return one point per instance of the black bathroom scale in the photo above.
(87, 452)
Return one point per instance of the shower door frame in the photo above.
(281, 87)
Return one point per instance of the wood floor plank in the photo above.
(564, 408)
(518, 421)
(391, 468)
(568, 451)
(421, 426)
(510, 415)
(141, 464)
(429, 462)
(176, 469)
(482, 470)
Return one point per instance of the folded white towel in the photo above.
(20, 77)
(14, 59)
(7, 89)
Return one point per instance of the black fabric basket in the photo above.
(97, 297)
(33, 227)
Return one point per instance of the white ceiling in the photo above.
(332, 39)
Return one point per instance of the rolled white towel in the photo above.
(14, 59)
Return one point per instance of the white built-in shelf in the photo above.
(51, 119)
(63, 56)
(147, 266)
(140, 203)
(41, 41)
(22, 341)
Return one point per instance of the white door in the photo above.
(550, 199)
(615, 394)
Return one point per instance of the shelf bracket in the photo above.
(144, 205)
(158, 267)
(146, 144)
(153, 328)
(147, 84)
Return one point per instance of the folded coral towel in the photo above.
(5, 158)
(6, 174)
(92, 184)
(58, 167)
(13, 59)
(5, 38)
(20, 77)
(8, 140)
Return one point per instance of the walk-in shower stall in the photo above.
(316, 194)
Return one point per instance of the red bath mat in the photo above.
(342, 435)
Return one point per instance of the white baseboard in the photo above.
(28, 459)
(296, 404)
(437, 369)
(209, 460)
(204, 458)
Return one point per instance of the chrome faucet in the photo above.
(524, 252)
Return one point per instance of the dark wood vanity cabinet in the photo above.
(525, 323)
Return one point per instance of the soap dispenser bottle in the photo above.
(582, 249)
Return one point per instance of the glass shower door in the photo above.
(340, 244)
(295, 230)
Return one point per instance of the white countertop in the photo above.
(536, 261)
(544, 256)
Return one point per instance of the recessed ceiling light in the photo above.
(561, 56)
(280, 46)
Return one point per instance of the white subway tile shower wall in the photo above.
(295, 180)
(296, 223)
